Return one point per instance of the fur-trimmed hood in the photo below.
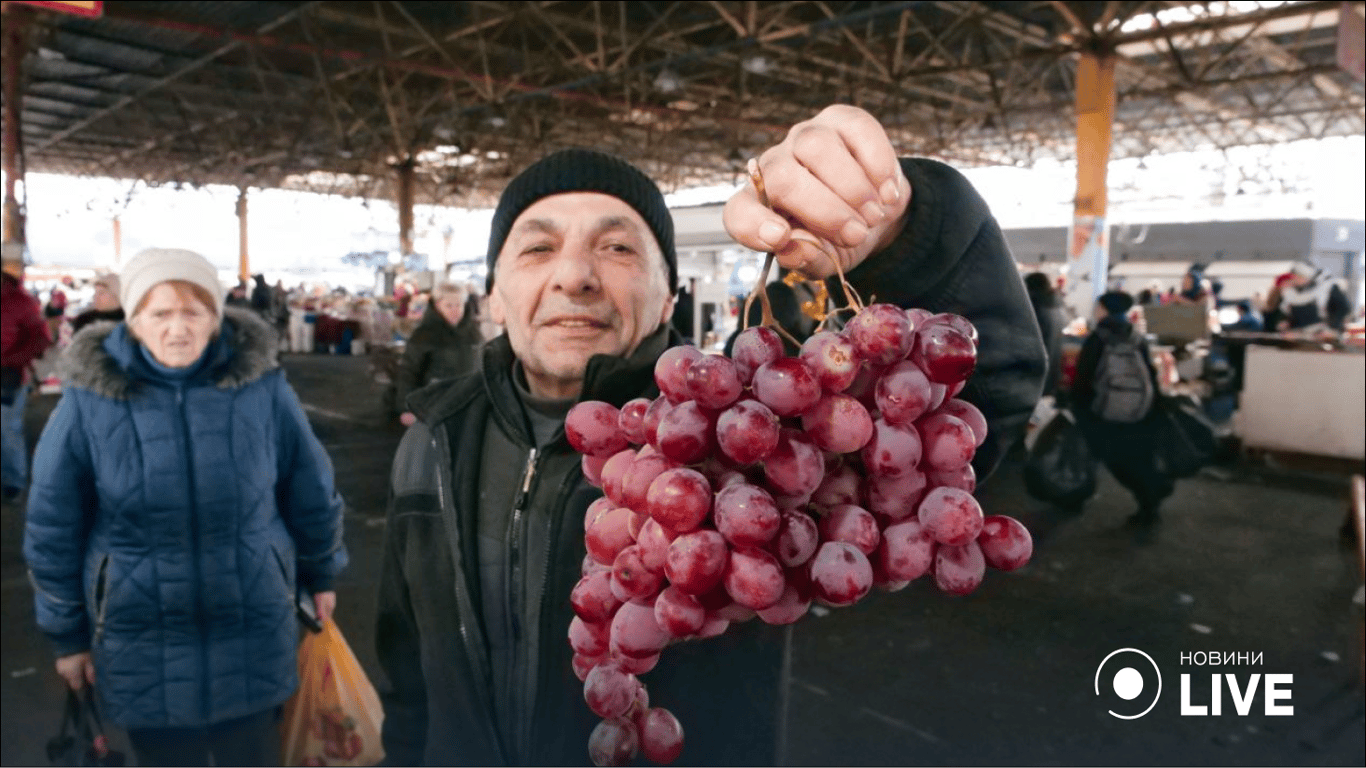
(104, 359)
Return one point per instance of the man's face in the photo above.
(580, 274)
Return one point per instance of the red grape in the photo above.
(894, 449)
(588, 639)
(840, 573)
(635, 483)
(881, 333)
(948, 442)
(679, 499)
(584, 664)
(592, 468)
(609, 690)
(629, 574)
(679, 613)
(957, 322)
(635, 632)
(797, 538)
(592, 597)
(755, 347)
(661, 736)
(631, 420)
(714, 382)
(963, 478)
(832, 358)
(896, 497)
(795, 467)
(838, 423)
(653, 542)
(613, 470)
(951, 516)
(653, 415)
(903, 393)
(959, 570)
(609, 535)
(840, 486)
(671, 372)
(970, 416)
(746, 515)
(944, 354)
(591, 427)
(753, 578)
(613, 742)
(696, 561)
(636, 666)
(790, 607)
(787, 386)
(1005, 542)
(918, 317)
(906, 552)
(747, 432)
(852, 525)
(685, 432)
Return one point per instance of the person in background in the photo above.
(55, 310)
(443, 346)
(103, 307)
(1248, 319)
(24, 339)
(1312, 299)
(1126, 448)
(237, 296)
(485, 531)
(1052, 318)
(179, 498)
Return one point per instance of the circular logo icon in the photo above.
(1129, 683)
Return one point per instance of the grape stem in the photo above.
(767, 318)
(850, 295)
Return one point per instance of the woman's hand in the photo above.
(77, 670)
(836, 190)
(325, 603)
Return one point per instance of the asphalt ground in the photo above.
(1246, 559)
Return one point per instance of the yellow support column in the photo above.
(1088, 248)
(243, 263)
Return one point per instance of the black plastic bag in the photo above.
(81, 739)
(1184, 437)
(1060, 468)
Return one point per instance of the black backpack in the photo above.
(1124, 390)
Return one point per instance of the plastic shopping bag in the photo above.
(1185, 439)
(335, 716)
(81, 739)
(1059, 467)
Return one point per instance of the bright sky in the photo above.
(300, 236)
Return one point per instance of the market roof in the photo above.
(329, 96)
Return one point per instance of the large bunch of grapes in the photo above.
(757, 484)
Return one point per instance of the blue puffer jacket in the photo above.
(168, 521)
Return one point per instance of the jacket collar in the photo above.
(610, 378)
(103, 357)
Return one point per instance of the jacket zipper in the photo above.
(101, 599)
(515, 567)
(461, 588)
(552, 548)
(200, 623)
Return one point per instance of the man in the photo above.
(1126, 445)
(485, 527)
(1313, 300)
(25, 338)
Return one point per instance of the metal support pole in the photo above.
(1088, 246)
(243, 263)
(405, 205)
(11, 61)
(118, 243)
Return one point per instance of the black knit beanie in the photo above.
(584, 170)
(1116, 303)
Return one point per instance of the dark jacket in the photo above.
(168, 521)
(23, 332)
(729, 692)
(89, 316)
(437, 350)
(1052, 318)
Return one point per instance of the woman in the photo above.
(444, 345)
(178, 494)
(104, 306)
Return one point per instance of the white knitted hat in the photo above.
(153, 266)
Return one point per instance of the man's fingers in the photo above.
(802, 196)
(752, 224)
(90, 674)
(867, 142)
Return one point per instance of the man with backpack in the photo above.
(1113, 396)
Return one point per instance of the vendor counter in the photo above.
(1302, 396)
